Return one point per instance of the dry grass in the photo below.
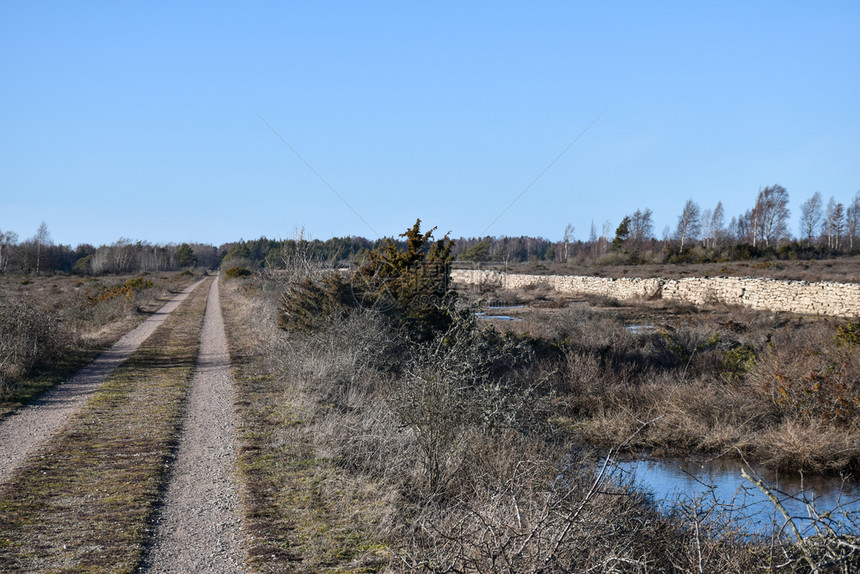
(67, 321)
(363, 451)
(305, 514)
(85, 501)
(716, 380)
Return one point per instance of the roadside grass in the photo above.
(303, 512)
(85, 501)
(85, 325)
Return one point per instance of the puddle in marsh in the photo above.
(720, 482)
(641, 329)
(493, 308)
(496, 317)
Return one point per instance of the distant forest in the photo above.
(700, 235)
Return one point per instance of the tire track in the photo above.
(23, 432)
(198, 527)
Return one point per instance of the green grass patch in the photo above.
(85, 502)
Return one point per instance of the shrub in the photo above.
(848, 334)
(82, 265)
(310, 305)
(237, 272)
(139, 284)
(738, 360)
(409, 284)
(126, 290)
(819, 381)
(467, 383)
(29, 337)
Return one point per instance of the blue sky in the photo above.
(142, 119)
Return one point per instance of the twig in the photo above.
(778, 505)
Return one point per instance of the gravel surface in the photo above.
(198, 527)
(22, 433)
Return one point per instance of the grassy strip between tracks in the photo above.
(302, 513)
(84, 503)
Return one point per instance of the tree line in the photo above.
(700, 235)
(825, 229)
(40, 255)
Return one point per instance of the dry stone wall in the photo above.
(820, 298)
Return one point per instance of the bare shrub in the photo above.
(468, 382)
(712, 535)
(29, 338)
(534, 512)
(810, 376)
(816, 447)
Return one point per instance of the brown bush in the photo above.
(29, 338)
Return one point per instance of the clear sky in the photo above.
(143, 119)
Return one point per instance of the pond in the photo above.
(719, 484)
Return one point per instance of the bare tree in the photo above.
(717, 225)
(592, 240)
(641, 226)
(707, 232)
(41, 240)
(689, 223)
(568, 235)
(852, 219)
(839, 223)
(834, 224)
(810, 216)
(770, 216)
(743, 228)
(7, 241)
(119, 257)
(603, 241)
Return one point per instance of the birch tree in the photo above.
(689, 223)
(8, 240)
(717, 225)
(770, 216)
(41, 240)
(568, 235)
(834, 224)
(852, 219)
(810, 216)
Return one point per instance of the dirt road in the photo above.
(198, 525)
(22, 433)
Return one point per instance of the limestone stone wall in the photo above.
(824, 298)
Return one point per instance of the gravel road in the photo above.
(23, 432)
(198, 527)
